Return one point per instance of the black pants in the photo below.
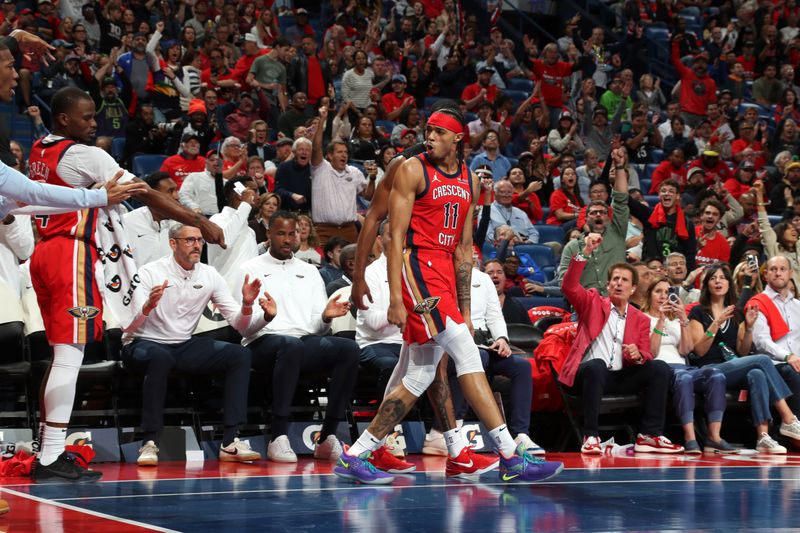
(287, 357)
(515, 368)
(199, 356)
(381, 358)
(595, 379)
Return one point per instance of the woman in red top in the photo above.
(524, 197)
(742, 180)
(566, 202)
(234, 158)
(787, 108)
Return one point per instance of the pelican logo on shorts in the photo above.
(427, 305)
(86, 312)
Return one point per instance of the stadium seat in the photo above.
(548, 233)
(542, 255)
(529, 302)
(520, 84)
(146, 164)
(517, 96)
(648, 170)
(387, 125)
(651, 199)
(774, 219)
(118, 147)
(488, 249)
(658, 155)
(644, 185)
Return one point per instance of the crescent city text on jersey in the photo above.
(450, 190)
(38, 171)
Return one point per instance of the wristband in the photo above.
(656, 330)
(786, 359)
(709, 334)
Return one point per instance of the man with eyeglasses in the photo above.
(503, 213)
(174, 292)
(613, 230)
(491, 156)
(258, 145)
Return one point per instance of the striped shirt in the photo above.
(333, 193)
(357, 88)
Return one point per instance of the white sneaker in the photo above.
(434, 444)
(330, 449)
(394, 447)
(591, 446)
(238, 451)
(148, 454)
(791, 430)
(767, 444)
(531, 447)
(280, 451)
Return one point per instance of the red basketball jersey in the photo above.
(43, 165)
(440, 211)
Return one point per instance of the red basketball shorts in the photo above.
(429, 293)
(62, 273)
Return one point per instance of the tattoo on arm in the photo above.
(463, 278)
(390, 413)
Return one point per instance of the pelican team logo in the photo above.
(427, 305)
(86, 312)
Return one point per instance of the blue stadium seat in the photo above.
(513, 160)
(469, 116)
(488, 249)
(430, 100)
(548, 233)
(644, 185)
(542, 255)
(517, 96)
(520, 84)
(387, 125)
(658, 155)
(146, 164)
(545, 212)
(774, 219)
(117, 147)
(549, 273)
(529, 302)
(648, 170)
(651, 199)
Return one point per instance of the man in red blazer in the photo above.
(611, 353)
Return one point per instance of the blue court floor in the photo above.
(600, 494)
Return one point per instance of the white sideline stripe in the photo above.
(86, 511)
(390, 487)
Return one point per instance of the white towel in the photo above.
(116, 277)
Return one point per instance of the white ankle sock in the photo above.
(367, 442)
(503, 442)
(455, 442)
(53, 440)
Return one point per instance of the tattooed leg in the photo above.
(392, 411)
(441, 399)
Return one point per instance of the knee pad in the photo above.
(459, 345)
(421, 370)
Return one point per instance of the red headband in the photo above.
(443, 120)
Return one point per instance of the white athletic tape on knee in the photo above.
(459, 345)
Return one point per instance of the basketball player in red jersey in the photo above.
(430, 213)
(63, 266)
(439, 390)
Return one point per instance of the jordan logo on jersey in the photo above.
(427, 305)
(436, 178)
(84, 312)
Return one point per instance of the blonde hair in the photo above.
(313, 238)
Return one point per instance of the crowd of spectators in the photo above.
(252, 108)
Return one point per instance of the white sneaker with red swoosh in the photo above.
(469, 463)
(656, 444)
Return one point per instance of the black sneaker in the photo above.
(65, 469)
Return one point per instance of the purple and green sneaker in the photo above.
(525, 467)
(359, 469)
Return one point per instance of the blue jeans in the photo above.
(756, 373)
(687, 380)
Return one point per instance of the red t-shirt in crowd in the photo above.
(560, 200)
(552, 77)
(471, 91)
(696, 93)
(665, 171)
(736, 187)
(391, 102)
(720, 171)
(178, 167)
(531, 205)
(739, 145)
(715, 249)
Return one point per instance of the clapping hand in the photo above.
(269, 306)
(335, 308)
(250, 290)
